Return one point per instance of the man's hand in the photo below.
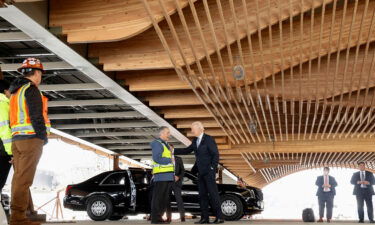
(366, 182)
(176, 178)
(11, 160)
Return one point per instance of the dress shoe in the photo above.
(217, 221)
(202, 222)
(328, 220)
(371, 221)
(320, 220)
(361, 221)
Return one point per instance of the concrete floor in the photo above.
(260, 222)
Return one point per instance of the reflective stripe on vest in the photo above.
(159, 168)
(4, 123)
(5, 132)
(20, 121)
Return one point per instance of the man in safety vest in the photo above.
(30, 126)
(5, 134)
(163, 171)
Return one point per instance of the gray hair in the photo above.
(162, 128)
(198, 124)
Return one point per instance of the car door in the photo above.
(117, 186)
(141, 181)
(190, 193)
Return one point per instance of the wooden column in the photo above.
(116, 162)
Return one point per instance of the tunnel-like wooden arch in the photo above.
(307, 94)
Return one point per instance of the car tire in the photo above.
(231, 207)
(99, 208)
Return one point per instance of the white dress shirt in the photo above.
(199, 139)
(363, 178)
(326, 182)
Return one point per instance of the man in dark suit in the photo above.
(326, 193)
(179, 171)
(363, 190)
(207, 160)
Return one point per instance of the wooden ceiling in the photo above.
(306, 95)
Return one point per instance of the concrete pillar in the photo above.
(116, 162)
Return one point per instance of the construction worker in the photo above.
(30, 126)
(5, 134)
(163, 171)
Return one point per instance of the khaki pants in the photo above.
(26, 155)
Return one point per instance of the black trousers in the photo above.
(361, 199)
(325, 201)
(176, 188)
(4, 170)
(160, 199)
(208, 192)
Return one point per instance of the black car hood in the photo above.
(232, 187)
(240, 190)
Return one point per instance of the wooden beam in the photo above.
(98, 21)
(185, 112)
(172, 98)
(152, 81)
(331, 145)
(213, 132)
(186, 123)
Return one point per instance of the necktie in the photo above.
(362, 179)
(326, 183)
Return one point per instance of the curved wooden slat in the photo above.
(146, 52)
(86, 21)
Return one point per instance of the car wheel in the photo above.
(115, 218)
(231, 207)
(99, 208)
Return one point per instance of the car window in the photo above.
(140, 177)
(115, 179)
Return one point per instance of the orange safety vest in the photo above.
(20, 122)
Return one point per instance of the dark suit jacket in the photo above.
(357, 187)
(179, 169)
(207, 155)
(320, 181)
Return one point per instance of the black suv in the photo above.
(113, 194)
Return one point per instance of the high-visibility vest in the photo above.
(160, 168)
(20, 121)
(5, 132)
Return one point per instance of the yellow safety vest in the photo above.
(5, 131)
(159, 168)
